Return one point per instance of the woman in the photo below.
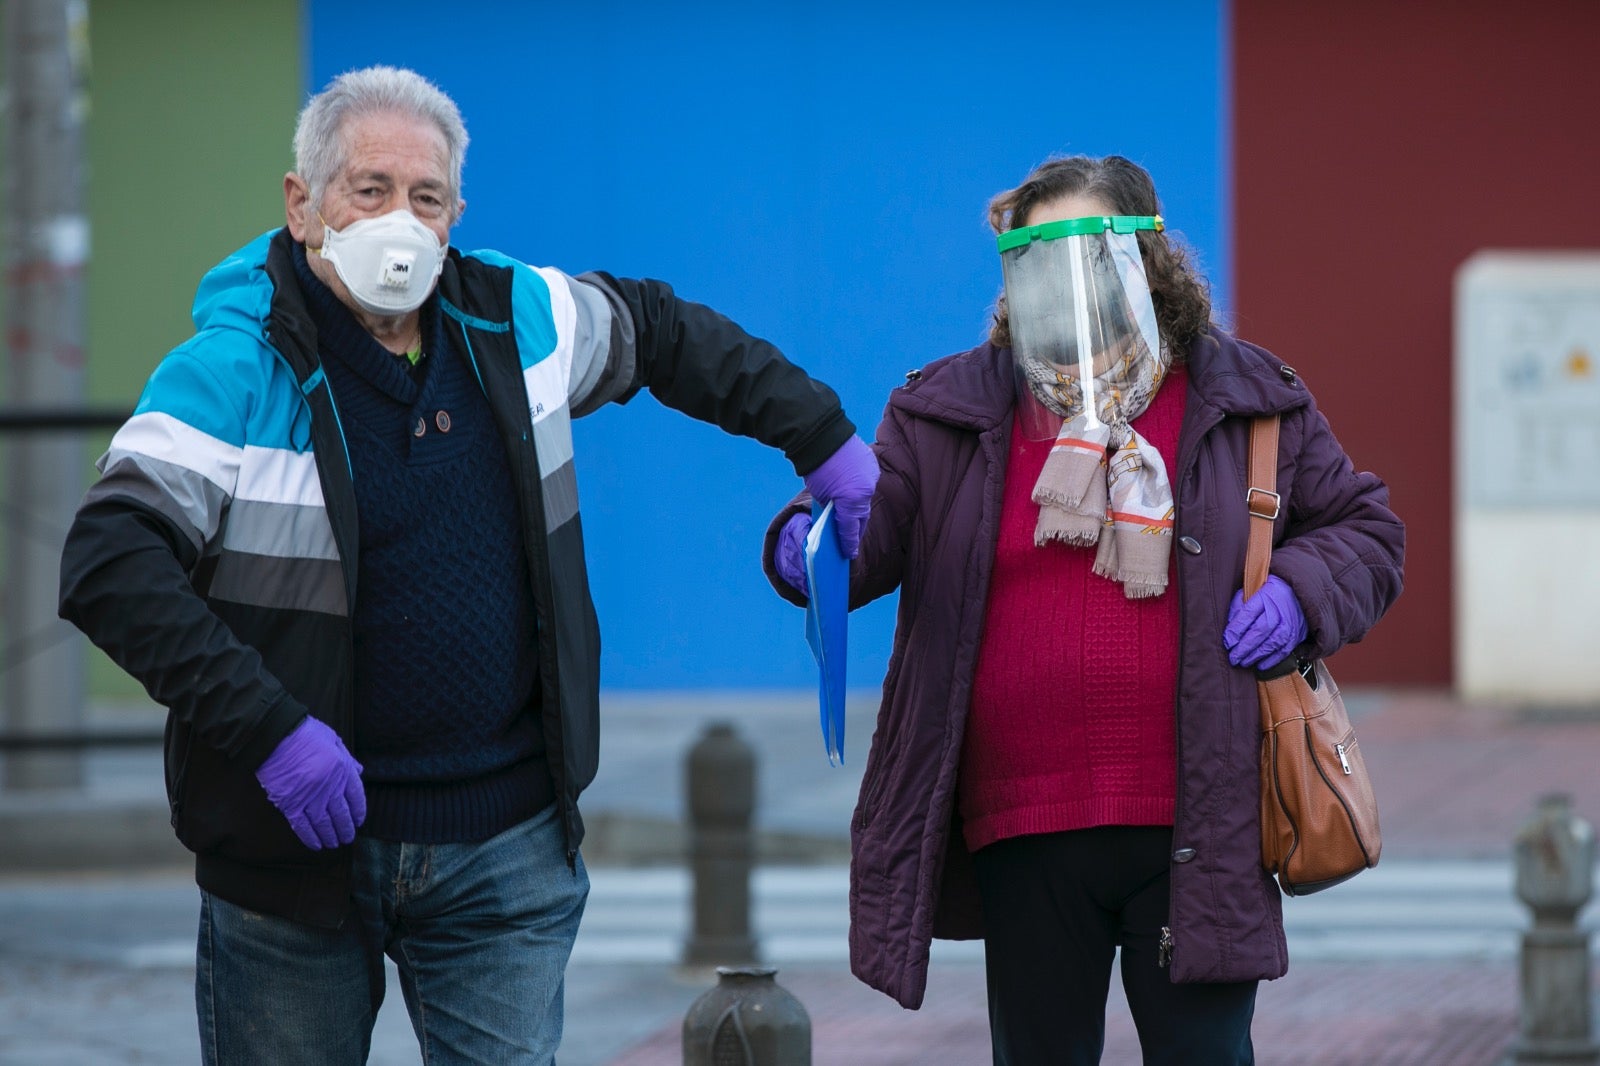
(1066, 757)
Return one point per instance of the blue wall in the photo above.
(818, 173)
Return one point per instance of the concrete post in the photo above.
(747, 1019)
(1554, 855)
(46, 235)
(721, 772)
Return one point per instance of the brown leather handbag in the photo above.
(1319, 819)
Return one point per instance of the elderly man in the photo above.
(339, 540)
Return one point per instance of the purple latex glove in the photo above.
(1266, 627)
(847, 478)
(315, 782)
(790, 557)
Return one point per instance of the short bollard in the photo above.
(722, 798)
(1555, 875)
(746, 1019)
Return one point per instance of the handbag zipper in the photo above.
(1344, 762)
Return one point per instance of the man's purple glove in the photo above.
(790, 557)
(1266, 627)
(847, 478)
(315, 782)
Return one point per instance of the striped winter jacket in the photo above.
(215, 559)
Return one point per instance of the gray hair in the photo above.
(319, 135)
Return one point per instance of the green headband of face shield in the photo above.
(1078, 227)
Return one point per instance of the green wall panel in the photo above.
(192, 107)
(192, 113)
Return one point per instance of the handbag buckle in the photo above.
(1258, 500)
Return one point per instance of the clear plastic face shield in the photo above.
(1080, 313)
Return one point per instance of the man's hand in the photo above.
(1266, 627)
(316, 783)
(846, 478)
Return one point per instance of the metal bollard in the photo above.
(746, 1019)
(1555, 874)
(722, 798)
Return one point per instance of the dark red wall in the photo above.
(1376, 146)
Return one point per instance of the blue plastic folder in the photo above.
(827, 619)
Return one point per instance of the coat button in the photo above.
(913, 375)
(442, 420)
(1287, 373)
(420, 427)
(1190, 545)
(1183, 855)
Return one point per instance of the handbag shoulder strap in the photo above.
(1261, 496)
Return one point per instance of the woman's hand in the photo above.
(790, 556)
(1266, 627)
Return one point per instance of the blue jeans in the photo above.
(480, 933)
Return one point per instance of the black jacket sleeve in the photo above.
(125, 583)
(700, 362)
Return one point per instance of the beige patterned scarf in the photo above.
(1103, 483)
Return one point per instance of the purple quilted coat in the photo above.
(935, 520)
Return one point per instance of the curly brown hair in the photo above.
(1180, 295)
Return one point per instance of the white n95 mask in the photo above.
(388, 263)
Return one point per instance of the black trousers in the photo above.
(1055, 908)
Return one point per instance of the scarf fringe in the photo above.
(1141, 555)
(1052, 497)
(1072, 480)
(1065, 528)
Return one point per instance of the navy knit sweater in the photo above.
(447, 702)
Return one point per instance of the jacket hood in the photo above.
(971, 390)
(236, 293)
(1241, 379)
(976, 389)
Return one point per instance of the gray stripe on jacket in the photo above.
(191, 502)
(285, 584)
(286, 530)
(605, 356)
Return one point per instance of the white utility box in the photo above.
(1527, 477)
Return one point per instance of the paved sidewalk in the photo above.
(1454, 781)
(95, 967)
(1327, 1014)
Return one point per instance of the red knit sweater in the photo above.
(1073, 701)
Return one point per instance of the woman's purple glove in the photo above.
(1266, 627)
(316, 783)
(790, 557)
(847, 478)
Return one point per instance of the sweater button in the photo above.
(442, 420)
(1190, 545)
(419, 427)
(1183, 855)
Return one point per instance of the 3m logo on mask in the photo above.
(396, 272)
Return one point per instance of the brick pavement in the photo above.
(1453, 781)
(1323, 1014)
(1456, 779)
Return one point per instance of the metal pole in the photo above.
(1554, 854)
(46, 244)
(722, 798)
